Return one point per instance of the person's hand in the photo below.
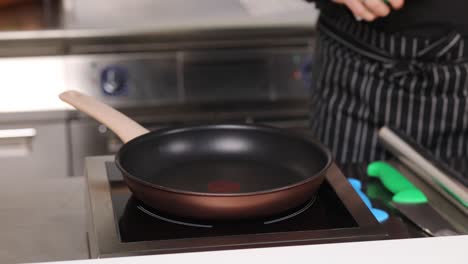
(369, 10)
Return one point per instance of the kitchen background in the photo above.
(161, 62)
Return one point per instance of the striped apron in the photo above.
(364, 79)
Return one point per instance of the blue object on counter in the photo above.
(355, 183)
(379, 214)
(357, 186)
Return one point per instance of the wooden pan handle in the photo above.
(124, 127)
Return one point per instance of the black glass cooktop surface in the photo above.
(138, 222)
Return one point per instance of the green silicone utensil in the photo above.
(410, 201)
(404, 191)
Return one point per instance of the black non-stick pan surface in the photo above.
(215, 172)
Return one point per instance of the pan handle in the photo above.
(124, 127)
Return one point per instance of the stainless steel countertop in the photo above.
(91, 14)
(88, 22)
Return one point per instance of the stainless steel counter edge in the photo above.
(159, 30)
(79, 41)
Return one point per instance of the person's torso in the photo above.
(423, 18)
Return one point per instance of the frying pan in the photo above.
(212, 172)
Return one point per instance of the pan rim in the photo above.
(266, 128)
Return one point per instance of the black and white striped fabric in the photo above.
(366, 79)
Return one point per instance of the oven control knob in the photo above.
(114, 80)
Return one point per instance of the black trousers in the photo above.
(364, 79)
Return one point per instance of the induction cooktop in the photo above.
(121, 225)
